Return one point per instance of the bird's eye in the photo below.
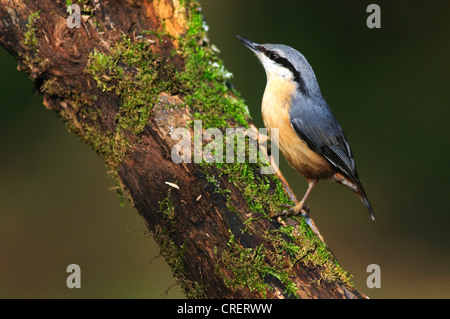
(273, 55)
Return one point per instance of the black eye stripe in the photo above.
(274, 56)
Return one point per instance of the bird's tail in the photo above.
(362, 195)
(356, 186)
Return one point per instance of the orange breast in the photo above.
(275, 112)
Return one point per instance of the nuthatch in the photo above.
(310, 137)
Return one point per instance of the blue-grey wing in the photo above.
(318, 128)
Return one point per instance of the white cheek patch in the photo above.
(273, 69)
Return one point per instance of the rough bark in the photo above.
(122, 82)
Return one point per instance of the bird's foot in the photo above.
(293, 210)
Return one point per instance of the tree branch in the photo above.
(132, 73)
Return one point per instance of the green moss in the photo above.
(173, 253)
(174, 256)
(31, 62)
(263, 193)
(167, 208)
(138, 76)
(133, 73)
(30, 34)
(52, 87)
(247, 267)
(205, 80)
(301, 244)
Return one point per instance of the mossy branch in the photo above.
(122, 82)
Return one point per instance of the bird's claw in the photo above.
(292, 211)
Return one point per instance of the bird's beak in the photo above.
(249, 44)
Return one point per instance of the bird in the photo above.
(309, 136)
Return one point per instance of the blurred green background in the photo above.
(389, 89)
